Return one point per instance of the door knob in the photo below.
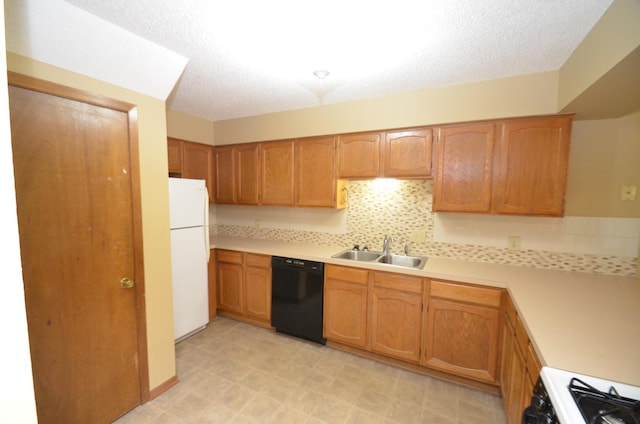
(126, 283)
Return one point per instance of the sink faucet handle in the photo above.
(405, 248)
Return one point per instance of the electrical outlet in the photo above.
(257, 224)
(418, 236)
(628, 192)
(514, 243)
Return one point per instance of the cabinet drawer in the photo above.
(354, 275)
(397, 282)
(258, 261)
(229, 256)
(463, 293)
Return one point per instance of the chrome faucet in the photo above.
(385, 244)
(405, 248)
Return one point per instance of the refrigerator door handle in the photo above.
(206, 223)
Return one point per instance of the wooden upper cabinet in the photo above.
(515, 166)
(359, 155)
(237, 174)
(530, 176)
(407, 153)
(315, 173)
(225, 171)
(277, 168)
(464, 163)
(191, 160)
(394, 154)
(247, 174)
(174, 152)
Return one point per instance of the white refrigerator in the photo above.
(189, 217)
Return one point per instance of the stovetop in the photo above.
(605, 407)
(579, 398)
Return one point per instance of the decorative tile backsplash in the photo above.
(402, 210)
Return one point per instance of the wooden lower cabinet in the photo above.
(462, 330)
(244, 284)
(213, 292)
(444, 326)
(507, 346)
(345, 305)
(519, 368)
(257, 295)
(516, 394)
(377, 311)
(396, 315)
(230, 281)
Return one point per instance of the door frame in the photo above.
(47, 87)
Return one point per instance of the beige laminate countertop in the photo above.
(579, 322)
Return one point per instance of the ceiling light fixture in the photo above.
(321, 74)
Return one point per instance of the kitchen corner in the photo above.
(582, 322)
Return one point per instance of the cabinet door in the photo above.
(247, 174)
(462, 339)
(359, 155)
(230, 293)
(506, 357)
(213, 291)
(225, 170)
(257, 285)
(277, 173)
(198, 164)
(518, 372)
(174, 152)
(345, 312)
(395, 323)
(531, 174)
(464, 168)
(407, 153)
(315, 172)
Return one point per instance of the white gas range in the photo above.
(570, 398)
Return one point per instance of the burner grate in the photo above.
(598, 407)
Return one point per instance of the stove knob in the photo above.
(529, 416)
(537, 400)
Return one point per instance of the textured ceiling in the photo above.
(249, 57)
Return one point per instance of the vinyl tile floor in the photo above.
(233, 372)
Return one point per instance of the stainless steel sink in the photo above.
(416, 262)
(358, 255)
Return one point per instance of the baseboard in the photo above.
(248, 320)
(158, 390)
(486, 387)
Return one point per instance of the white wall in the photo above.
(17, 401)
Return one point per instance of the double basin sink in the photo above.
(406, 261)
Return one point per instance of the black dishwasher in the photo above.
(296, 297)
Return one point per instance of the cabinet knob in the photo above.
(126, 283)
